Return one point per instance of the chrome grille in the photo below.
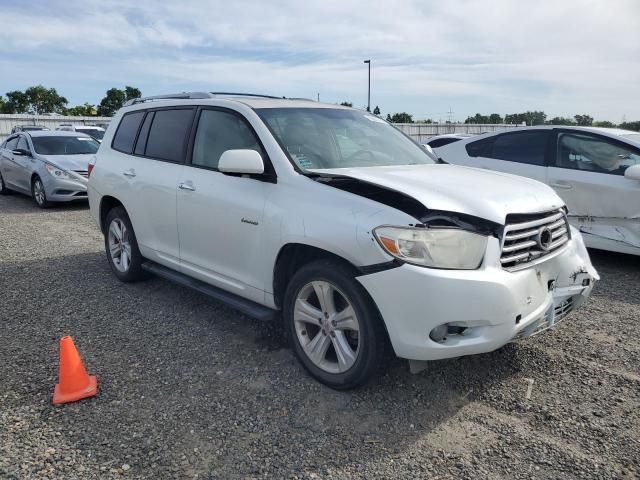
(82, 173)
(530, 239)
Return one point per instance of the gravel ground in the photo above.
(191, 389)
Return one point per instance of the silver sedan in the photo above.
(48, 166)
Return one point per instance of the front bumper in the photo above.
(65, 189)
(494, 306)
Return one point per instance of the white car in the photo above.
(438, 141)
(336, 222)
(93, 131)
(596, 171)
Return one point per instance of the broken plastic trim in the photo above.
(401, 201)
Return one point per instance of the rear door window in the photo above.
(168, 134)
(127, 130)
(521, 147)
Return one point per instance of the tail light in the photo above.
(90, 166)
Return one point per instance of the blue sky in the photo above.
(505, 56)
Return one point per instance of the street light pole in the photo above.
(368, 62)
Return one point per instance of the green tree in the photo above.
(347, 104)
(115, 98)
(529, 118)
(376, 111)
(477, 119)
(584, 120)
(17, 102)
(131, 92)
(389, 117)
(630, 125)
(561, 121)
(44, 100)
(495, 118)
(86, 110)
(402, 117)
(604, 123)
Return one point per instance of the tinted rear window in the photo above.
(441, 142)
(479, 148)
(521, 147)
(127, 131)
(141, 144)
(168, 134)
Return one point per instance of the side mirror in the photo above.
(22, 152)
(241, 161)
(633, 172)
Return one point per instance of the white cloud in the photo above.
(489, 55)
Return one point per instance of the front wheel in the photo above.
(3, 188)
(122, 247)
(333, 325)
(38, 193)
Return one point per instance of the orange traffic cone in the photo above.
(74, 383)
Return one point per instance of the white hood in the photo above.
(482, 193)
(69, 162)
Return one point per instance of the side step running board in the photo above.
(252, 309)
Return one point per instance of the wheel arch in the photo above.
(291, 257)
(108, 203)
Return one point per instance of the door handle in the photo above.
(187, 186)
(129, 173)
(562, 186)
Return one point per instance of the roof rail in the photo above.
(176, 96)
(236, 94)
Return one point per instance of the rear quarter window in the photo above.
(127, 130)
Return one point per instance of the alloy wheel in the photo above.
(327, 326)
(38, 192)
(119, 245)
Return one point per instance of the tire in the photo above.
(39, 194)
(3, 188)
(124, 258)
(369, 344)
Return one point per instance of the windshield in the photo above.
(64, 145)
(93, 132)
(320, 138)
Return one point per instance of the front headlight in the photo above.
(57, 172)
(450, 248)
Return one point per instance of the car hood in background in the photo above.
(482, 193)
(69, 162)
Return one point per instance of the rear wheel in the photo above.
(38, 193)
(333, 325)
(122, 247)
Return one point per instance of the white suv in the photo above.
(335, 221)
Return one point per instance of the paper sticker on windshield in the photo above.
(303, 161)
(86, 139)
(373, 118)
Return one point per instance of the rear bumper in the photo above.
(493, 305)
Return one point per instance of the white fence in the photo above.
(8, 121)
(421, 132)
